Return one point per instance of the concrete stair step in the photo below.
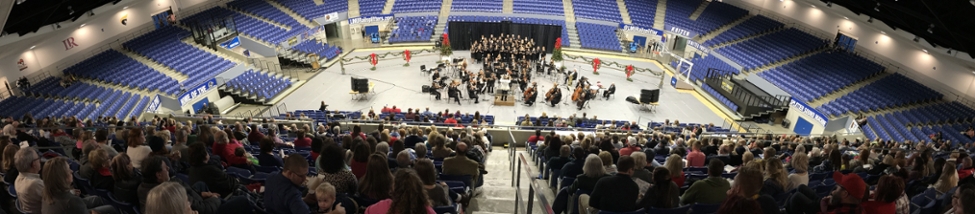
(388, 8)
(722, 29)
(245, 13)
(354, 8)
(624, 13)
(508, 6)
(155, 65)
(570, 14)
(715, 47)
(700, 9)
(286, 10)
(846, 90)
(658, 18)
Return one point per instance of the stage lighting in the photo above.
(870, 20)
(949, 50)
(916, 39)
(847, 18)
(82, 25)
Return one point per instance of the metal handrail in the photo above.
(532, 187)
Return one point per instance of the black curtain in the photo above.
(463, 34)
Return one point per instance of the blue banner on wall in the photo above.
(680, 31)
(809, 111)
(368, 19)
(698, 46)
(154, 105)
(199, 105)
(196, 92)
(233, 43)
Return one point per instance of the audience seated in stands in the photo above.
(407, 196)
(29, 186)
(375, 184)
(712, 190)
(746, 191)
(155, 172)
(616, 193)
(664, 194)
(283, 193)
(137, 149)
(61, 197)
(126, 181)
(461, 164)
(437, 192)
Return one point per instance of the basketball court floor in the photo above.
(396, 84)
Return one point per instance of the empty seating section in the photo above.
(250, 26)
(116, 103)
(949, 119)
(325, 51)
(520, 20)
(116, 68)
(260, 84)
(606, 10)
(310, 11)
(701, 66)
(493, 6)
(51, 87)
(264, 10)
(546, 7)
(599, 37)
(891, 91)
(821, 74)
(164, 46)
(778, 46)
(641, 12)
(752, 26)
(679, 12)
(412, 6)
(721, 98)
(413, 29)
(717, 14)
(371, 7)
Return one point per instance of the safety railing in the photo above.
(533, 188)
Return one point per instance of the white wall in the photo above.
(949, 74)
(101, 32)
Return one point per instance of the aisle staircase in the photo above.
(441, 19)
(300, 19)
(245, 13)
(700, 9)
(354, 8)
(319, 2)
(624, 12)
(573, 34)
(722, 29)
(570, 13)
(845, 90)
(660, 15)
(388, 8)
(237, 59)
(179, 77)
(508, 6)
(783, 62)
(715, 47)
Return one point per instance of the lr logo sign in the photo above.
(69, 43)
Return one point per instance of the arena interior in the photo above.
(487, 106)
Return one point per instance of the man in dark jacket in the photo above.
(155, 172)
(574, 168)
(284, 189)
(413, 139)
(212, 175)
(560, 161)
(616, 193)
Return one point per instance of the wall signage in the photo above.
(196, 92)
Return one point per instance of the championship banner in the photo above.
(640, 30)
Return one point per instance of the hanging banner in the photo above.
(698, 46)
(369, 19)
(809, 111)
(640, 30)
(196, 92)
(154, 105)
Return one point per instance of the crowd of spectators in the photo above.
(165, 166)
(650, 171)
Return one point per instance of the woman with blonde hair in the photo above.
(168, 198)
(676, 167)
(776, 178)
(948, 179)
(800, 163)
(59, 196)
(607, 160)
(747, 187)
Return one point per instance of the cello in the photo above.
(577, 94)
(548, 95)
(530, 91)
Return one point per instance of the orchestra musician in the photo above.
(554, 95)
(571, 77)
(609, 91)
(491, 78)
(435, 89)
(472, 92)
(453, 92)
(531, 94)
(585, 96)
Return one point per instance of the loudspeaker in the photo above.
(360, 85)
(426, 89)
(649, 96)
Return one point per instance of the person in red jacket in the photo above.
(225, 148)
(450, 120)
(631, 146)
(301, 140)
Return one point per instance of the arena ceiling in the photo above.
(942, 23)
(27, 16)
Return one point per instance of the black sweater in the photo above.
(617, 193)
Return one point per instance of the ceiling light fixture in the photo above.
(931, 29)
(830, 4)
(814, 6)
(91, 13)
(125, 8)
(56, 25)
(949, 50)
(82, 25)
(33, 46)
(877, 8)
(925, 50)
(847, 18)
(883, 32)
